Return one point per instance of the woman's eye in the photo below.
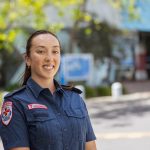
(55, 51)
(40, 51)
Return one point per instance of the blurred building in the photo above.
(141, 26)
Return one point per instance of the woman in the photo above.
(43, 115)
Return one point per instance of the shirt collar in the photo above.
(58, 87)
(36, 88)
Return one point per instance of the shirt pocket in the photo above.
(42, 127)
(77, 117)
(34, 116)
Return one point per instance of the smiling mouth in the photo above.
(48, 67)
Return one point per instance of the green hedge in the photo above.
(103, 91)
(13, 87)
(90, 92)
(97, 91)
(100, 91)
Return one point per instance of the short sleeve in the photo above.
(13, 126)
(90, 136)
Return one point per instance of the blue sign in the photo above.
(77, 67)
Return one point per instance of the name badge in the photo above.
(34, 106)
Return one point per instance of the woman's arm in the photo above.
(90, 145)
(15, 135)
(20, 148)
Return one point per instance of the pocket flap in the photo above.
(78, 113)
(39, 115)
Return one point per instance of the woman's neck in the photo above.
(46, 83)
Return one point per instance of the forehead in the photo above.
(45, 39)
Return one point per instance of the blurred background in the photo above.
(103, 42)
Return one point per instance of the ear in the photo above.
(27, 60)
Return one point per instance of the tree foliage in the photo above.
(23, 16)
(97, 39)
(26, 15)
(20, 17)
(126, 6)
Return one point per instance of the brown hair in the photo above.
(27, 72)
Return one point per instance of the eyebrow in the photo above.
(55, 46)
(40, 46)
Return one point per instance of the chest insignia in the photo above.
(6, 112)
(34, 106)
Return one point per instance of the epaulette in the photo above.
(14, 92)
(71, 88)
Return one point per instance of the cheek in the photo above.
(58, 60)
(36, 60)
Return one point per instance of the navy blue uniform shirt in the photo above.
(33, 117)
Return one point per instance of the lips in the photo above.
(48, 67)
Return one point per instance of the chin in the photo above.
(49, 77)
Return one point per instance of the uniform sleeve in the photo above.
(90, 136)
(13, 126)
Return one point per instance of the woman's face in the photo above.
(44, 58)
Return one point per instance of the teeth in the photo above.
(48, 67)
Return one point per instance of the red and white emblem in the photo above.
(34, 106)
(6, 112)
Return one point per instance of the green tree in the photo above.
(99, 42)
(20, 17)
(128, 6)
(24, 16)
(28, 15)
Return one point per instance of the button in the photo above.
(66, 146)
(65, 129)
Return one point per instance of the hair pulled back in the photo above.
(27, 72)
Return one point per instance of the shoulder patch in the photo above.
(14, 92)
(71, 88)
(6, 112)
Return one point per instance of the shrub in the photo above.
(103, 91)
(12, 87)
(90, 92)
(97, 91)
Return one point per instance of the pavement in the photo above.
(137, 86)
(121, 122)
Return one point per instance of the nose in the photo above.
(48, 57)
